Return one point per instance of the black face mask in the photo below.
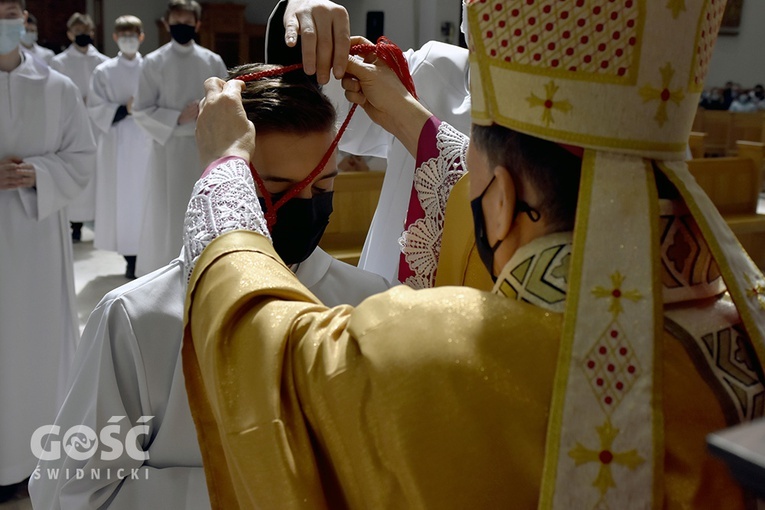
(485, 250)
(182, 33)
(300, 223)
(83, 40)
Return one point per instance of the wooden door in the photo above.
(52, 16)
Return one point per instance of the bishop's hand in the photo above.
(324, 32)
(224, 199)
(375, 87)
(223, 128)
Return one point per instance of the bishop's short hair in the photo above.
(546, 166)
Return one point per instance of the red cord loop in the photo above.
(393, 58)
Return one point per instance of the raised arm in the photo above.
(439, 151)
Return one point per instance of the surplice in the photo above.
(44, 122)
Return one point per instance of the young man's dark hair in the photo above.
(184, 6)
(79, 18)
(552, 170)
(288, 103)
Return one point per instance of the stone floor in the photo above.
(96, 272)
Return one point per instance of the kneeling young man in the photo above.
(128, 363)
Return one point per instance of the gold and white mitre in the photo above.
(622, 79)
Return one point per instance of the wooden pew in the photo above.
(724, 129)
(717, 126)
(733, 184)
(354, 203)
(745, 126)
(756, 152)
(697, 142)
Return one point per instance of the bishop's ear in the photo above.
(499, 205)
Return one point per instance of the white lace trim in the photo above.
(433, 181)
(222, 201)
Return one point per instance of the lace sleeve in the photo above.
(222, 201)
(434, 179)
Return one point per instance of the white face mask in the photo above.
(29, 38)
(464, 23)
(128, 45)
(11, 31)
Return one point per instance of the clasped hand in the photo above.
(15, 173)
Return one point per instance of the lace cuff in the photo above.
(434, 179)
(223, 200)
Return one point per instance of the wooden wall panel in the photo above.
(51, 20)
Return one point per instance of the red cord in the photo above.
(393, 58)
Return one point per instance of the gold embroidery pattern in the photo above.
(611, 367)
(663, 95)
(616, 294)
(756, 289)
(706, 35)
(541, 279)
(727, 352)
(686, 259)
(594, 37)
(549, 103)
(676, 6)
(606, 457)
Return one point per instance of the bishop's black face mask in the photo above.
(485, 250)
(83, 40)
(182, 33)
(300, 223)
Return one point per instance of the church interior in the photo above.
(726, 147)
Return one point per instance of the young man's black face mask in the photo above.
(300, 224)
(83, 40)
(182, 33)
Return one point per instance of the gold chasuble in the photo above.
(361, 408)
(414, 399)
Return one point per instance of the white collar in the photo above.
(130, 63)
(72, 50)
(183, 49)
(313, 269)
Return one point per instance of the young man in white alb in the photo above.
(46, 156)
(123, 147)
